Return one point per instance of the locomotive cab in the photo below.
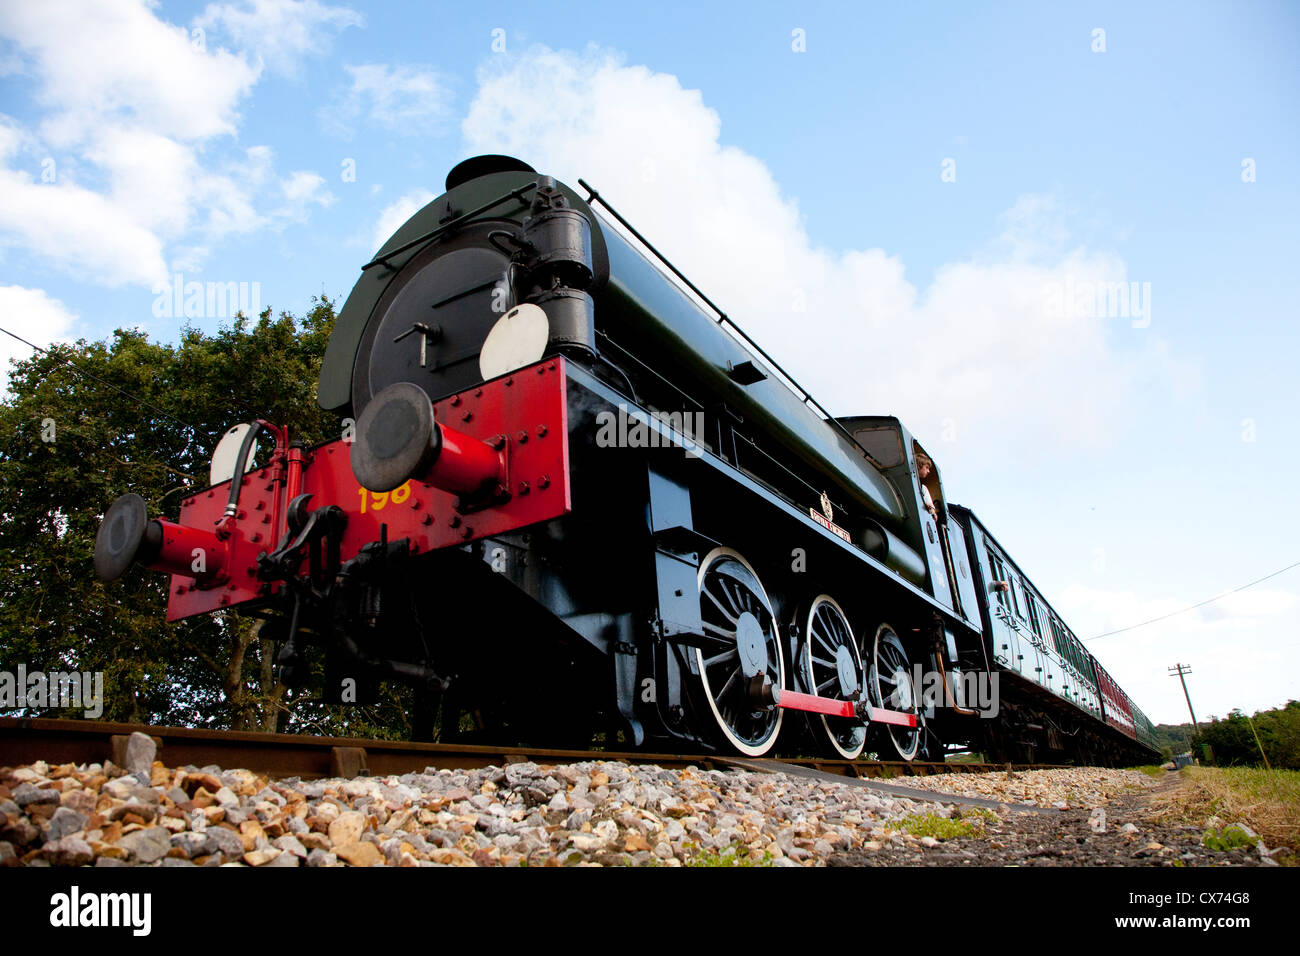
(888, 443)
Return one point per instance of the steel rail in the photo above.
(25, 740)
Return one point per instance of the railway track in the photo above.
(25, 740)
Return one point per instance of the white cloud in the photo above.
(151, 176)
(1243, 648)
(136, 113)
(979, 340)
(411, 100)
(98, 61)
(302, 190)
(397, 212)
(32, 314)
(87, 233)
(13, 138)
(279, 33)
(1106, 610)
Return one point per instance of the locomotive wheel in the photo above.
(832, 667)
(742, 657)
(891, 680)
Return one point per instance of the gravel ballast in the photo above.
(589, 813)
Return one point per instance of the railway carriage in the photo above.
(1058, 701)
(570, 495)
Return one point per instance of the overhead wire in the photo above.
(81, 371)
(1192, 607)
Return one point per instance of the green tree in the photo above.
(70, 444)
(1234, 744)
(1176, 738)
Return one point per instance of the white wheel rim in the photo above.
(829, 724)
(763, 746)
(901, 680)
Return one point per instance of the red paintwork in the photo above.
(464, 464)
(527, 408)
(809, 703)
(1115, 704)
(180, 545)
(255, 530)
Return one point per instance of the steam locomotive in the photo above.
(571, 497)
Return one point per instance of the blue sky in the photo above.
(1134, 464)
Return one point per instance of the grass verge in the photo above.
(733, 855)
(1268, 801)
(970, 823)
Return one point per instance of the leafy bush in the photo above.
(1233, 744)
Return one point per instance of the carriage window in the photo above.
(1032, 606)
(1059, 639)
(999, 574)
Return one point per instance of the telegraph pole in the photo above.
(1182, 670)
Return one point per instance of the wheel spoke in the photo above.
(744, 599)
(824, 641)
(732, 594)
(833, 626)
(840, 628)
(719, 658)
(719, 633)
(733, 618)
(727, 686)
(891, 673)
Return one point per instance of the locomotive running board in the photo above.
(811, 704)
